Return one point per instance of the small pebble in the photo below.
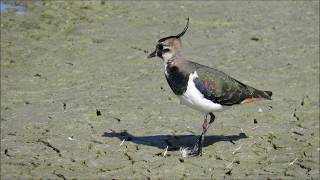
(98, 112)
(255, 39)
(71, 138)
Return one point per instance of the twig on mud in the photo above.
(46, 143)
(61, 176)
(255, 127)
(256, 142)
(112, 131)
(165, 152)
(293, 161)
(229, 166)
(122, 142)
(237, 149)
(295, 115)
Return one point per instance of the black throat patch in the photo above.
(177, 80)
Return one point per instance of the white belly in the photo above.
(194, 99)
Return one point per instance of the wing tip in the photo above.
(269, 93)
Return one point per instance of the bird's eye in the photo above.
(165, 50)
(159, 46)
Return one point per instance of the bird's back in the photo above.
(221, 88)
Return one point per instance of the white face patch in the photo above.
(165, 68)
(195, 99)
(167, 55)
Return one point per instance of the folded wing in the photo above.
(225, 90)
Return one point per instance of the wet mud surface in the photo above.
(80, 99)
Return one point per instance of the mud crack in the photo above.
(46, 143)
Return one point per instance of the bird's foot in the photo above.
(195, 151)
(187, 152)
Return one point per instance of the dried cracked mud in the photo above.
(80, 100)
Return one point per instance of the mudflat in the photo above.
(80, 100)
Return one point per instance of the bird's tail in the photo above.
(257, 95)
(262, 94)
(269, 93)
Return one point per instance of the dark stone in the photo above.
(98, 112)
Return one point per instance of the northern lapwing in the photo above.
(200, 87)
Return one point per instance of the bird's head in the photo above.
(169, 47)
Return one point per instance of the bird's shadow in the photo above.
(173, 142)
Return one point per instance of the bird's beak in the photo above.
(153, 54)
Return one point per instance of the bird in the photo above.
(201, 87)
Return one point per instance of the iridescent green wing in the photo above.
(219, 87)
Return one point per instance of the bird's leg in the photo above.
(197, 149)
(212, 118)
